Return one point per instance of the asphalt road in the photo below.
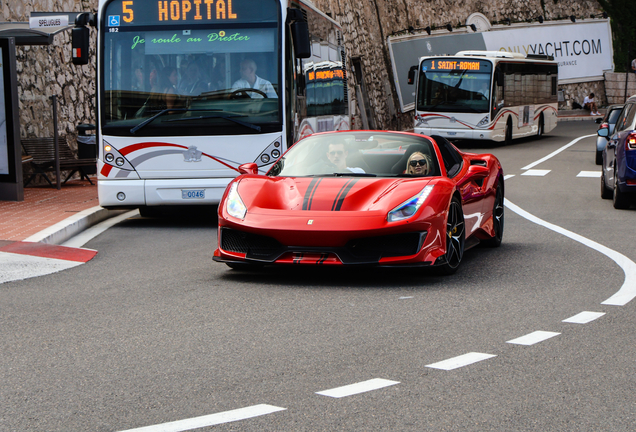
(152, 331)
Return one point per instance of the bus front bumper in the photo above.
(135, 193)
(477, 134)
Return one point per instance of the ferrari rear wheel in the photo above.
(497, 220)
(455, 238)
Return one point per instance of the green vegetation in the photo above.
(622, 15)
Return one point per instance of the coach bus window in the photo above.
(451, 85)
(208, 60)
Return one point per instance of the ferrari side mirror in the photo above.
(478, 171)
(248, 168)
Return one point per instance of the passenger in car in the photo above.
(418, 164)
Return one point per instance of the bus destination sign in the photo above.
(122, 13)
(445, 65)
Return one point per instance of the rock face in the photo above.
(44, 71)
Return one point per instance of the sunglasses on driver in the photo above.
(416, 162)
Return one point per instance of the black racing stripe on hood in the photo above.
(337, 204)
(309, 194)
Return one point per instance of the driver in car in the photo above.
(249, 80)
(337, 155)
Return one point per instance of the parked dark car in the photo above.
(618, 178)
(607, 122)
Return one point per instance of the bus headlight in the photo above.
(234, 204)
(483, 122)
(409, 207)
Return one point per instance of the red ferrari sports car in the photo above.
(363, 198)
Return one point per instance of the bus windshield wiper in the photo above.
(164, 111)
(226, 117)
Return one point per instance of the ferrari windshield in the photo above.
(363, 153)
(210, 71)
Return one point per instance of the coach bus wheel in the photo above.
(508, 139)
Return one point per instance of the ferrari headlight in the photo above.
(234, 204)
(409, 207)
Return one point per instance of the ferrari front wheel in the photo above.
(455, 238)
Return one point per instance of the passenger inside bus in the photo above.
(251, 84)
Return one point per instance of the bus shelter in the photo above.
(40, 30)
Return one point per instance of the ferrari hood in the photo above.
(327, 193)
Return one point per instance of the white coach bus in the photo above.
(188, 90)
(488, 95)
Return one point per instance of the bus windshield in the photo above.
(212, 74)
(454, 85)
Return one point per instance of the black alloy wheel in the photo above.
(497, 219)
(621, 199)
(455, 238)
(606, 193)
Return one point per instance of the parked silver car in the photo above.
(608, 121)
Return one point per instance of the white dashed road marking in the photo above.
(536, 173)
(590, 174)
(361, 387)
(584, 317)
(533, 338)
(460, 361)
(210, 420)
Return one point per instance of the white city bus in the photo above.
(178, 110)
(488, 95)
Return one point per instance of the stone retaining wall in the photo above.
(615, 86)
(44, 71)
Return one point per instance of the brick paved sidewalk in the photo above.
(43, 207)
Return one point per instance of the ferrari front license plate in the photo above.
(193, 193)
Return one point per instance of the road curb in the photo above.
(71, 226)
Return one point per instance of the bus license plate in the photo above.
(193, 193)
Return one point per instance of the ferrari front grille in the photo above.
(253, 245)
(387, 246)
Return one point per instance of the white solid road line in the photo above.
(533, 338)
(210, 420)
(87, 235)
(556, 152)
(361, 387)
(460, 361)
(627, 292)
(584, 317)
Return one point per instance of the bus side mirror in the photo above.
(80, 38)
(412, 75)
(300, 32)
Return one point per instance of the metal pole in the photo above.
(58, 177)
